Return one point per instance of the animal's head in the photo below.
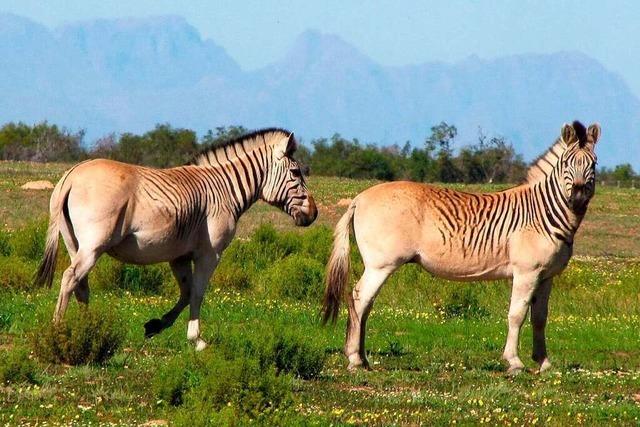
(578, 164)
(285, 186)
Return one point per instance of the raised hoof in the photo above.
(153, 327)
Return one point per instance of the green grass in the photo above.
(435, 360)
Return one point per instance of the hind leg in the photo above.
(73, 276)
(82, 289)
(359, 305)
(182, 271)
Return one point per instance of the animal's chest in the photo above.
(532, 252)
(558, 260)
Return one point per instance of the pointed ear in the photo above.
(568, 134)
(286, 146)
(593, 133)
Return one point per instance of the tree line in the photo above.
(491, 159)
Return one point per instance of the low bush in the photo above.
(211, 389)
(463, 303)
(17, 367)
(230, 275)
(294, 354)
(288, 351)
(16, 273)
(242, 383)
(5, 243)
(317, 243)
(246, 379)
(87, 335)
(296, 277)
(175, 378)
(29, 241)
(145, 280)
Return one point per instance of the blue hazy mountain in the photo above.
(129, 74)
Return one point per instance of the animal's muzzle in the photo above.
(579, 199)
(306, 213)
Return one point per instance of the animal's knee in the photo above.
(516, 316)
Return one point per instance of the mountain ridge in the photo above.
(117, 75)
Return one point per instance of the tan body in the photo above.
(185, 215)
(420, 232)
(524, 233)
(141, 229)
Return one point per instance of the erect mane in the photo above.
(223, 152)
(581, 133)
(542, 166)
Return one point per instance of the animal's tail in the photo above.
(57, 204)
(337, 274)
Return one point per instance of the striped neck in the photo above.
(559, 221)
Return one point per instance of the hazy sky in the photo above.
(255, 33)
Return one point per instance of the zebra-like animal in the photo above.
(524, 233)
(184, 215)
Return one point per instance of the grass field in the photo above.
(435, 345)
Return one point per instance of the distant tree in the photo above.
(164, 146)
(105, 147)
(41, 142)
(330, 156)
(441, 138)
(303, 155)
(222, 135)
(491, 160)
(623, 172)
(419, 165)
(370, 162)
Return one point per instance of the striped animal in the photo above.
(524, 233)
(184, 215)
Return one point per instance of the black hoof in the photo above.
(152, 327)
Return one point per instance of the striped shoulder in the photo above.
(543, 165)
(219, 153)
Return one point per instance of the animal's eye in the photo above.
(296, 172)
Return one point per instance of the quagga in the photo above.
(524, 233)
(184, 215)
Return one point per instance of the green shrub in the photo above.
(239, 389)
(5, 243)
(229, 275)
(297, 277)
(29, 241)
(317, 243)
(280, 244)
(463, 302)
(213, 389)
(288, 351)
(145, 280)
(246, 379)
(88, 335)
(395, 348)
(174, 379)
(15, 273)
(297, 355)
(17, 367)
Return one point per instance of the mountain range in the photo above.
(121, 75)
